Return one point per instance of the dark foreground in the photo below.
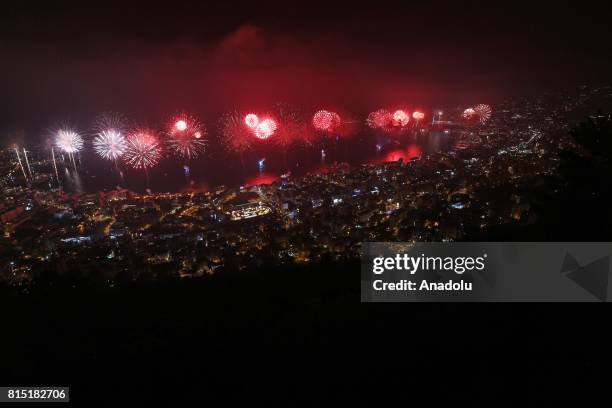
(296, 337)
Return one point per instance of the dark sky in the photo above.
(67, 62)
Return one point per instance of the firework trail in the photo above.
(20, 164)
(55, 165)
(25, 154)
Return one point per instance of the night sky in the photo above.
(70, 62)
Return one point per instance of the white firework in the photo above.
(68, 140)
(110, 144)
(469, 113)
(483, 112)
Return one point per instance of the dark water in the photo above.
(217, 167)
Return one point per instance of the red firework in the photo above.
(143, 149)
(418, 115)
(186, 136)
(381, 119)
(400, 118)
(291, 127)
(237, 136)
(265, 128)
(326, 121)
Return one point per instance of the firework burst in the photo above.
(291, 127)
(326, 121)
(143, 149)
(68, 140)
(16, 148)
(483, 113)
(110, 144)
(400, 118)
(266, 128)
(380, 119)
(109, 140)
(186, 136)
(393, 123)
(251, 120)
(468, 113)
(236, 134)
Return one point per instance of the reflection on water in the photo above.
(263, 178)
(322, 169)
(412, 152)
